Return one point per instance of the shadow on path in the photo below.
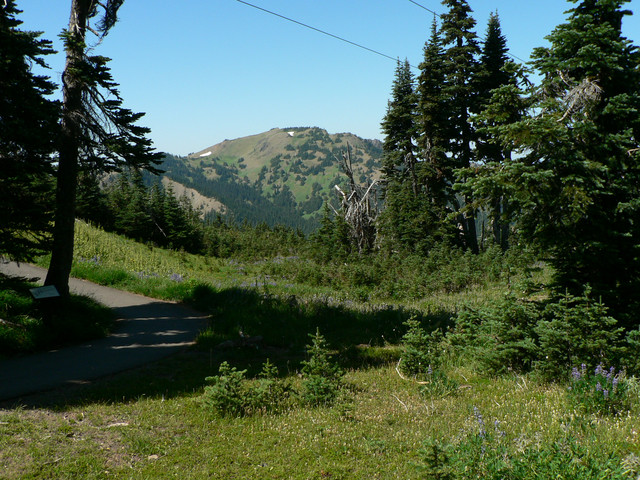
(146, 330)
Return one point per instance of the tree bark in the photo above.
(67, 176)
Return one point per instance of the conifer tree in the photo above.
(28, 129)
(91, 201)
(435, 174)
(459, 100)
(495, 71)
(399, 129)
(96, 131)
(399, 180)
(576, 179)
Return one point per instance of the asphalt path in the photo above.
(146, 330)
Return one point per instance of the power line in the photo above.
(515, 57)
(321, 31)
(425, 8)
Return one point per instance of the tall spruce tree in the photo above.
(459, 100)
(399, 176)
(28, 129)
(97, 132)
(399, 129)
(576, 179)
(435, 172)
(495, 71)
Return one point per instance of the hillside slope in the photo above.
(281, 176)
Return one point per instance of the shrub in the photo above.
(499, 337)
(232, 395)
(322, 378)
(270, 394)
(420, 349)
(227, 395)
(632, 359)
(576, 330)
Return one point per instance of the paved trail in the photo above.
(146, 330)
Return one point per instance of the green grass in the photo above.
(152, 422)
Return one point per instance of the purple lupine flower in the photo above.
(615, 382)
(611, 373)
(480, 420)
(599, 370)
(176, 277)
(575, 373)
(605, 393)
(583, 369)
(598, 387)
(429, 370)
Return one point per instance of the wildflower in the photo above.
(605, 393)
(598, 387)
(480, 420)
(599, 370)
(583, 369)
(575, 374)
(430, 371)
(176, 277)
(615, 382)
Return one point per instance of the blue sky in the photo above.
(209, 70)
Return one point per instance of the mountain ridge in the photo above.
(281, 176)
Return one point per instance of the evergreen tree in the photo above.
(157, 201)
(495, 71)
(132, 216)
(435, 173)
(399, 180)
(322, 239)
(459, 100)
(398, 126)
(91, 202)
(576, 179)
(28, 129)
(96, 131)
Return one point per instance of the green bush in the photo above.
(632, 359)
(500, 336)
(270, 394)
(419, 349)
(576, 330)
(227, 394)
(322, 379)
(232, 395)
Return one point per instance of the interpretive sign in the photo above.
(49, 291)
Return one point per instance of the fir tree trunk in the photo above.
(63, 232)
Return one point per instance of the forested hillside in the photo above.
(282, 176)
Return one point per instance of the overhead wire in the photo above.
(342, 39)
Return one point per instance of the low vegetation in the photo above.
(331, 376)
(28, 325)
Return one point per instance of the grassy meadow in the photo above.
(155, 422)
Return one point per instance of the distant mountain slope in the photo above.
(277, 177)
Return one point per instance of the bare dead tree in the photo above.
(359, 207)
(580, 97)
